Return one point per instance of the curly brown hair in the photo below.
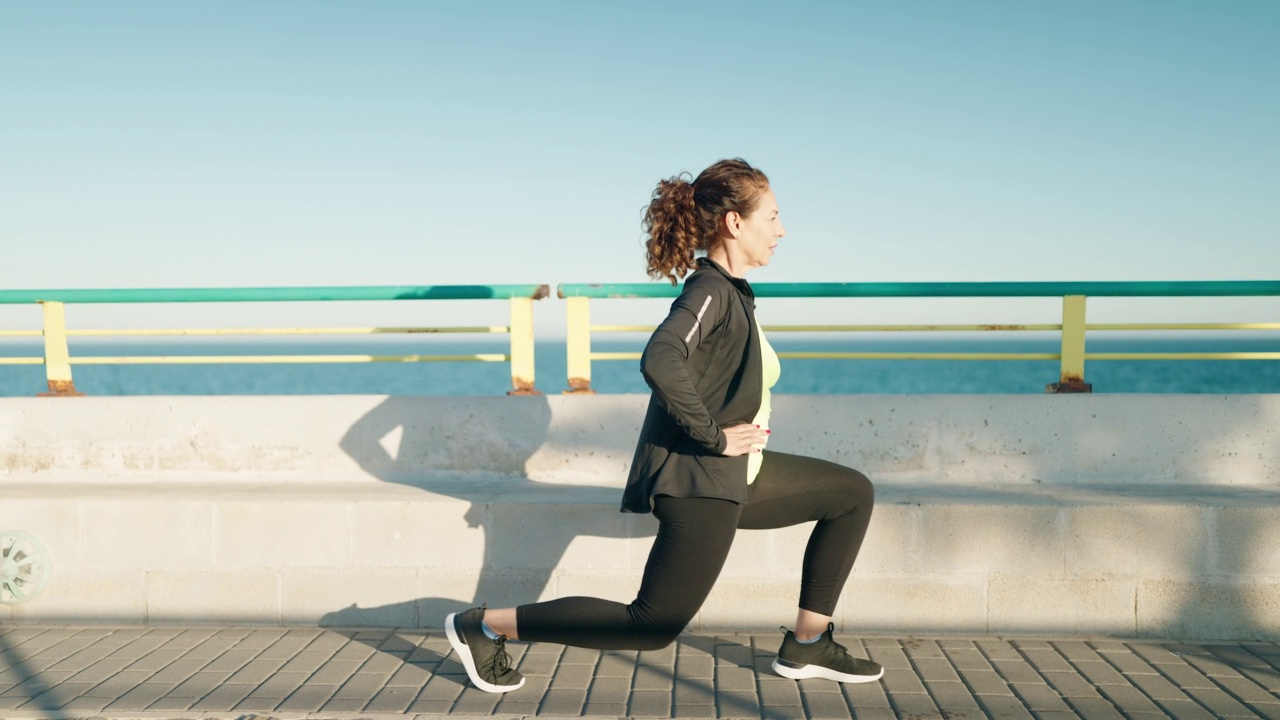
(683, 217)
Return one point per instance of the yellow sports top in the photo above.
(771, 371)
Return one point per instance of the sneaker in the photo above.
(487, 662)
(824, 658)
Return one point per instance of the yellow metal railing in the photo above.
(58, 360)
(1073, 327)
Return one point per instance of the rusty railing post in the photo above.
(578, 345)
(1071, 377)
(522, 347)
(57, 357)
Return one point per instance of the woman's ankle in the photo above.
(502, 621)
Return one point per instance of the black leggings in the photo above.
(694, 536)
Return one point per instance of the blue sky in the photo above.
(161, 144)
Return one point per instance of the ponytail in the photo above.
(671, 221)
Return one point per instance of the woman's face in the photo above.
(760, 231)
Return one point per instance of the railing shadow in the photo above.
(41, 696)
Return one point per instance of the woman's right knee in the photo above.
(650, 641)
(658, 628)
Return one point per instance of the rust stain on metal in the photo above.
(543, 291)
(61, 388)
(1003, 327)
(579, 386)
(521, 386)
(1069, 385)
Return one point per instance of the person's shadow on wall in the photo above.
(474, 449)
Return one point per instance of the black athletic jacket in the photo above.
(703, 364)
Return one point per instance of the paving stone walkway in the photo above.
(254, 673)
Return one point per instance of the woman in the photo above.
(700, 464)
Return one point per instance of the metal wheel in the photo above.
(24, 567)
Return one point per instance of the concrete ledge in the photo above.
(1156, 440)
(1134, 515)
(1187, 561)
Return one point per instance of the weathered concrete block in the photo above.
(86, 595)
(354, 597)
(870, 435)
(444, 434)
(925, 603)
(278, 532)
(986, 440)
(148, 533)
(893, 542)
(1228, 611)
(1020, 603)
(438, 533)
(1137, 541)
(616, 586)
(426, 595)
(752, 603)
(767, 553)
(1027, 439)
(589, 442)
(1248, 542)
(511, 587)
(55, 522)
(213, 597)
(230, 437)
(992, 539)
(537, 535)
(587, 553)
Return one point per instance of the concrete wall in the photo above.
(1130, 515)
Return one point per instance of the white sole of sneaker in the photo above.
(464, 656)
(817, 671)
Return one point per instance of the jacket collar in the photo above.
(743, 286)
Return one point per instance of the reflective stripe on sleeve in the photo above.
(697, 323)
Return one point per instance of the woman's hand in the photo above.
(743, 439)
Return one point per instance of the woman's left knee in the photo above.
(858, 488)
(865, 485)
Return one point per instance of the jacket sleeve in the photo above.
(664, 362)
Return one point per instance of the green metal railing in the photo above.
(1072, 326)
(57, 358)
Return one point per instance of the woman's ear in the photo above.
(732, 223)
